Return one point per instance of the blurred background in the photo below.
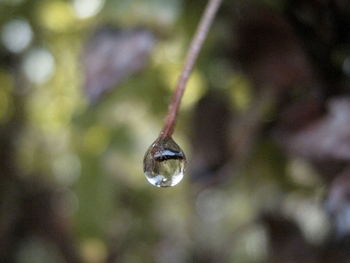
(265, 125)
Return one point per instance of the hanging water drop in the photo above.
(164, 163)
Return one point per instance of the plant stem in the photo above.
(192, 54)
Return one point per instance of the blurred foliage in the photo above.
(255, 122)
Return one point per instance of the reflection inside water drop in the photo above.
(164, 163)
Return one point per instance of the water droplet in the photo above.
(164, 163)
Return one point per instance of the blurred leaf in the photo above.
(326, 138)
(287, 241)
(112, 55)
(338, 203)
(269, 50)
(210, 138)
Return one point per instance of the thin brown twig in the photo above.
(192, 54)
